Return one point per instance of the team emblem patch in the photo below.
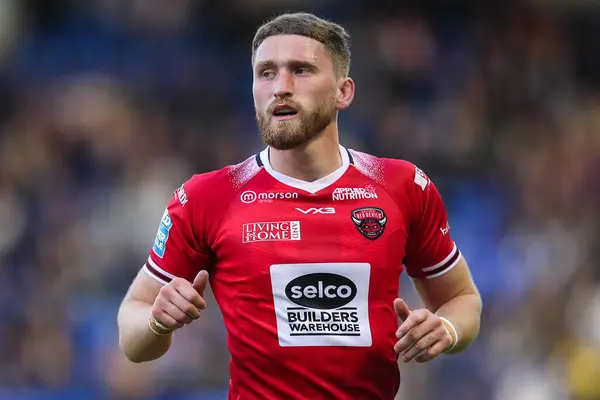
(369, 221)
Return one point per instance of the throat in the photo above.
(305, 167)
(311, 167)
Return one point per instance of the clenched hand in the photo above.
(180, 302)
(422, 334)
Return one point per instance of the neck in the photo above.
(314, 160)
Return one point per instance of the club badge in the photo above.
(369, 221)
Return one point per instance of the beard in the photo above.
(308, 124)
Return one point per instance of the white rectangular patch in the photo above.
(270, 231)
(322, 304)
(421, 179)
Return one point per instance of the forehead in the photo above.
(281, 48)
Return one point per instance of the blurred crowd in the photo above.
(107, 106)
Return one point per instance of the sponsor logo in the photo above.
(322, 304)
(270, 231)
(181, 195)
(446, 229)
(421, 179)
(325, 210)
(250, 196)
(367, 192)
(160, 242)
(369, 221)
(321, 290)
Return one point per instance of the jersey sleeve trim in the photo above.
(157, 272)
(151, 274)
(443, 266)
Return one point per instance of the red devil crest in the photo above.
(369, 221)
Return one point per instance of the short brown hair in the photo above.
(333, 36)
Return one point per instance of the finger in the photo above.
(166, 320)
(189, 309)
(175, 312)
(420, 346)
(415, 318)
(422, 329)
(190, 295)
(432, 352)
(401, 309)
(200, 282)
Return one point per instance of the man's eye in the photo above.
(302, 71)
(268, 74)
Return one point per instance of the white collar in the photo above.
(311, 187)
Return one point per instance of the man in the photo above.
(305, 243)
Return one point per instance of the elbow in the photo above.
(138, 352)
(129, 352)
(134, 358)
(132, 351)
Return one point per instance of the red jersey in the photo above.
(306, 273)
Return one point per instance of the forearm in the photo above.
(464, 312)
(136, 340)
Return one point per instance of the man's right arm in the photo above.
(167, 292)
(136, 339)
(170, 307)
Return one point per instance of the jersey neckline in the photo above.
(262, 159)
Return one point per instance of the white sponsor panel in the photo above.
(367, 192)
(322, 304)
(270, 231)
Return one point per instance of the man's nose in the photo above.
(284, 85)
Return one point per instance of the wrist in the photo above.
(451, 329)
(159, 329)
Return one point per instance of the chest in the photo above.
(293, 227)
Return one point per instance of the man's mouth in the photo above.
(284, 112)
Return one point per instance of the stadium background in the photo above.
(108, 105)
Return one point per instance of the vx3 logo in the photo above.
(313, 211)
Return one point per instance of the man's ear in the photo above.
(345, 93)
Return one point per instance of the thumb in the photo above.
(200, 282)
(401, 309)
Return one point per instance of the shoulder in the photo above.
(393, 174)
(206, 197)
(218, 186)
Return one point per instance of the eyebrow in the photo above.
(290, 64)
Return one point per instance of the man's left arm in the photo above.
(450, 320)
(455, 298)
(449, 323)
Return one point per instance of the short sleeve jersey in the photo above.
(305, 273)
